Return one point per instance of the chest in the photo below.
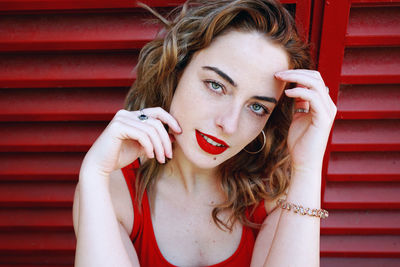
(186, 234)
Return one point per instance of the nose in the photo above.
(228, 120)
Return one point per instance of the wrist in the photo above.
(305, 187)
(91, 172)
(306, 170)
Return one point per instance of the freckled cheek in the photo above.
(184, 106)
(250, 128)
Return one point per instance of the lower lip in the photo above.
(207, 147)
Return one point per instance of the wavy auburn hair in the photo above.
(246, 179)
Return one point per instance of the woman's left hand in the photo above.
(313, 118)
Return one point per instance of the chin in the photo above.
(201, 159)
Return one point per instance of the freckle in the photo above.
(215, 158)
(213, 241)
(212, 202)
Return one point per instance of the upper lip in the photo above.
(215, 139)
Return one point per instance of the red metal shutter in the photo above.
(65, 67)
(359, 58)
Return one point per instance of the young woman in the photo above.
(224, 129)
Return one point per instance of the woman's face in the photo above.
(226, 95)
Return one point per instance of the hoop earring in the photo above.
(258, 151)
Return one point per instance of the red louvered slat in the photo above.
(67, 70)
(371, 65)
(369, 102)
(28, 5)
(82, 104)
(37, 194)
(40, 166)
(374, 3)
(366, 195)
(360, 246)
(51, 136)
(366, 222)
(364, 262)
(22, 219)
(93, 31)
(35, 247)
(366, 135)
(374, 26)
(35, 265)
(364, 166)
(22, 5)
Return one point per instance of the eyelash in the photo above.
(265, 110)
(209, 84)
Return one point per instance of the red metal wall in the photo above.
(359, 56)
(65, 67)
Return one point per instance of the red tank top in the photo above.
(145, 243)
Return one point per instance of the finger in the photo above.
(157, 125)
(306, 79)
(165, 117)
(315, 104)
(126, 131)
(301, 105)
(164, 136)
(152, 133)
(311, 73)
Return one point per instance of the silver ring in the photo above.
(142, 116)
(301, 110)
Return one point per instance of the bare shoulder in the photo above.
(121, 200)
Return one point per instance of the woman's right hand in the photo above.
(127, 137)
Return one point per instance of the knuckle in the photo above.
(116, 122)
(317, 73)
(321, 84)
(121, 112)
(144, 139)
(158, 124)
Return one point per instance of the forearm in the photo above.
(99, 240)
(296, 241)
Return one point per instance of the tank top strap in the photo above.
(129, 173)
(257, 214)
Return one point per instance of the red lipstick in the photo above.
(210, 148)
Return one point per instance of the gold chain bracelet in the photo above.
(321, 213)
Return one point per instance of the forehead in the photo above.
(247, 57)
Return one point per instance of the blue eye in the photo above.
(214, 86)
(258, 109)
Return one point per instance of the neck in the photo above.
(182, 172)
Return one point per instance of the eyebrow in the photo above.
(226, 77)
(222, 74)
(266, 98)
